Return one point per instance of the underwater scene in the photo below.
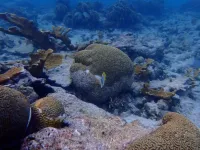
(100, 75)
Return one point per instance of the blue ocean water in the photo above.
(134, 59)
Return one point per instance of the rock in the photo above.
(61, 74)
(87, 133)
(75, 107)
(152, 110)
(162, 105)
(136, 88)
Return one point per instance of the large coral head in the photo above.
(14, 115)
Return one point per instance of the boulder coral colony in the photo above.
(127, 86)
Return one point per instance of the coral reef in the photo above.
(142, 70)
(177, 132)
(43, 59)
(10, 74)
(122, 14)
(147, 69)
(15, 115)
(62, 8)
(47, 112)
(158, 93)
(28, 29)
(90, 128)
(84, 16)
(92, 62)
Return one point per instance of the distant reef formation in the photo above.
(121, 14)
(42, 39)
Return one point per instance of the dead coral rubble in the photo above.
(177, 132)
(24, 27)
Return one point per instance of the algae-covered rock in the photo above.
(101, 71)
(14, 115)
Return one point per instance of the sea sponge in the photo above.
(47, 112)
(10, 74)
(176, 133)
(14, 115)
(98, 59)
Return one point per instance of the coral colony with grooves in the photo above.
(100, 75)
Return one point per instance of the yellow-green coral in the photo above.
(159, 93)
(98, 58)
(176, 133)
(14, 114)
(47, 112)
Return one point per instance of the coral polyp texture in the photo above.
(14, 116)
(47, 112)
(177, 132)
(95, 60)
(10, 74)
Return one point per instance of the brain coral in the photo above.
(95, 60)
(47, 112)
(100, 58)
(176, 133)
(14, 114)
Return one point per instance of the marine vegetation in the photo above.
(177, 132)
(25, 28)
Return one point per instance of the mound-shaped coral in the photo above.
(14, 115)
(96, 62)
(84, 16)
(122, 14)
(176, 133)
(47, 112)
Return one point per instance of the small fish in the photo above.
(29, 119)
(101, 79)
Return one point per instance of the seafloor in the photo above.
(157, 73)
